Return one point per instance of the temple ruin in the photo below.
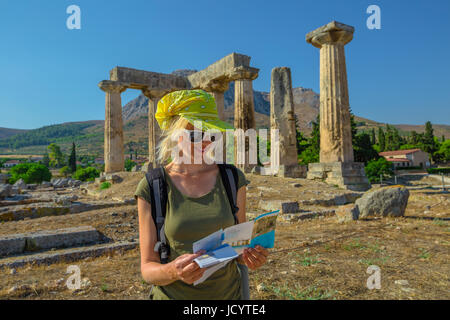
(214, 79)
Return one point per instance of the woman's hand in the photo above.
(255, 258)
(185, 269)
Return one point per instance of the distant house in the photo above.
(407, 158)
(11, 163)
(36, 159)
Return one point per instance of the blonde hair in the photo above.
(167, 143)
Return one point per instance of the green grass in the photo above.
(305, 259)
(424, 253)
(374, 247)
(105, 185)
(374, 261)
(439, 222)
(297, 293)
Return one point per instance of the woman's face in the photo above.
(188, 147)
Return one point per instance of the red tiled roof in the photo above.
(397, 160)
(398, 152)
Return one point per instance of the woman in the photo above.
(197, 206)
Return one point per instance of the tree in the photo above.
(30, 173)
(363, 149)
(65, 171)
(353, 125)
(129, 164)
(428, 142)
(301, 141)
(311, 153)
(381, 139)
(373, 140)
(73, 159)
(375, 168)
(55, 155)
(46, 160)
(86, 174)
(443, 154)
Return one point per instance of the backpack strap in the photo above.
(229, 175)
(158, 193)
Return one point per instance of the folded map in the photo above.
(224, 245)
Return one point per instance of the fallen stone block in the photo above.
(293, 217)
(12, 244)
(48, 239)
(388, 201)
(282, 205)
(347, 213)
(66, 255)
(5, 190)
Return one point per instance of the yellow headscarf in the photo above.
(193, 105)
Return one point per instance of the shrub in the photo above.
(105, 185)
(375, 168)
(30, 173)
(438, 170)
(65, 171)
(86, 174)
(129, 164)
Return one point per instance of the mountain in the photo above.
(88, 135)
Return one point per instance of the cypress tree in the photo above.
(73, 159)
(381, 139)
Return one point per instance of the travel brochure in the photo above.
(224, 245)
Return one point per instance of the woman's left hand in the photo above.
(255, 257)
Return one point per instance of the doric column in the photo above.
(154, 131)
(113, 151)
(220, 103)
(217, 90)
(244, 115)
(282, 114)
(335, 129)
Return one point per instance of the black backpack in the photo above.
(158, 190)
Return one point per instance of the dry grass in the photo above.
(312, 259)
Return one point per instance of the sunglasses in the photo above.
(197, 136)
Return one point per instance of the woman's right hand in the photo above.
(185, 269)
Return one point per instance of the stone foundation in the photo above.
(292, 171)
(347, 175)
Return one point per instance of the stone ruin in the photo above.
(336, 165)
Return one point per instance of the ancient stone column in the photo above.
(218, 90)
(336, 152)
(282, 114)
(244, 115)
(154, 131)
(335, 129)
(113, 151)
(220, 103)
(282, 118)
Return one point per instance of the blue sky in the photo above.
(49, 74)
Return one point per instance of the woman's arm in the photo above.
(182, 268)
(241, 214)
(252, 258)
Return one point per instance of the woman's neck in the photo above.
(190, 169)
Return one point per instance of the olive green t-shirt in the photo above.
(191, 219)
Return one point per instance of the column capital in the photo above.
(331, 33)
(218, 86)
(153, 94)
(112, 86)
